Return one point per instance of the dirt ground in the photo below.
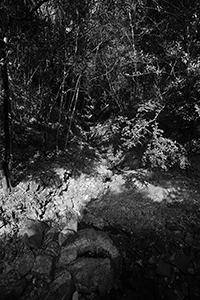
(153, 218)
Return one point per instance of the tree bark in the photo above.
(4, 170)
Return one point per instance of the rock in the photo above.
(50, 235)
(50, 212)
(182, 261)
(53, 249)
(12, 286)
(191, 271)
(65, 238)
(2, 252)
(8, 276)
(67, 255)
(163, 269)
(25, 263)
(98, 242)
(42, 267)
(96, 221)
(188, 239)
(51, 243)
(68, 201)
(196, 242)
(75, 296)
(152, 260)
(93, 275)
(92, 241)
(71, 226)
(29, 277)
(61, 288)
(160, 245)
(33, 233)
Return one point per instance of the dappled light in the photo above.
(99, 150)
(152, 218)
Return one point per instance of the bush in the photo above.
(163, 152)
(122, 133)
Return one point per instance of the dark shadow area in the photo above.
(76, 160)
(159, 243)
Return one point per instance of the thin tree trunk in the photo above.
(74, 103)
(4, 169)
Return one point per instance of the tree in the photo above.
(73, 64)
(6, 24)
(5, 103)
(6, 119)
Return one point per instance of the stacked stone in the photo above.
(55, 264)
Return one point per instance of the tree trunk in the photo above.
(4, 169)
(5, 177)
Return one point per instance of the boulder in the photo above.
(42, 267)
(90, 241)
(25, 263)
(182, 261)
(67, 255)
(93, 275)
(33, 233)
(98, 243)
(61, 288)
(163, 269)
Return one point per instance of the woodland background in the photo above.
(119, 75)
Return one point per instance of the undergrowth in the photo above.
(121, 135)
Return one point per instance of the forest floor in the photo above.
(152, 217)
(159, 218)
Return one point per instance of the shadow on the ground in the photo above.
(76, 160)
(159, 242)
(135, 210)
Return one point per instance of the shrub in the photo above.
(164, 153)
(122, 133)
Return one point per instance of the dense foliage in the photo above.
(122, 74)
